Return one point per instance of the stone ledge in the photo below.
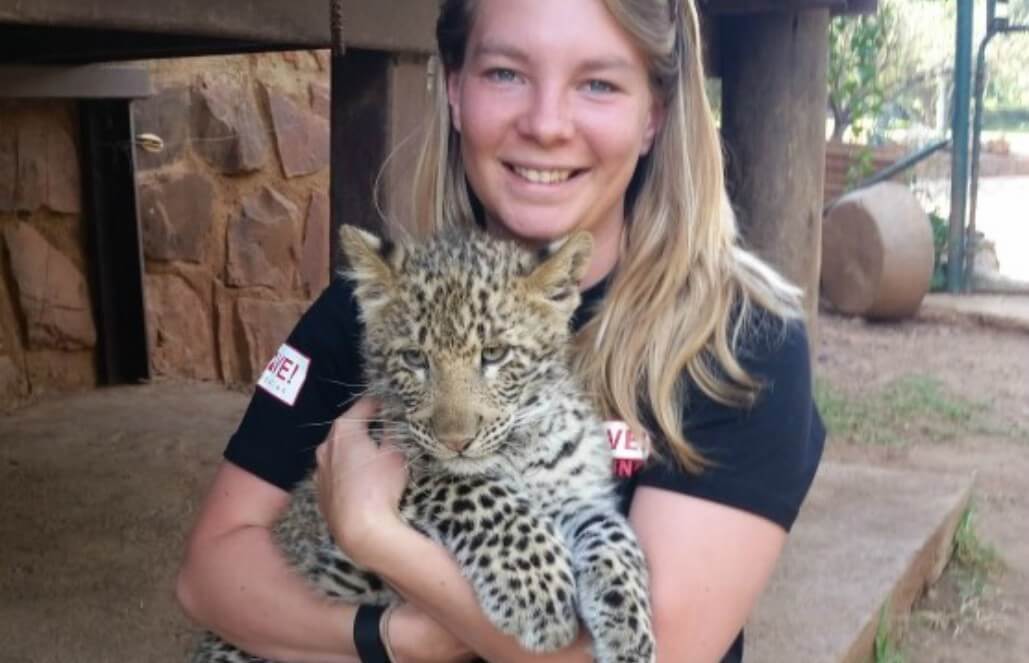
(867, 537)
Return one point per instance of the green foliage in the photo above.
(974, 562)
(1007, 81)
(969, 550)
(862, 167)
(941, 242)
(857, 51)
(886, 649)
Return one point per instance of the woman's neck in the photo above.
(607, 247)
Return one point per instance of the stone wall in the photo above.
(234, 209)
(47, 332)
(234, 213)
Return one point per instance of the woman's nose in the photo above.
(547, 118)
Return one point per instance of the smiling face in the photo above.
(554, 107)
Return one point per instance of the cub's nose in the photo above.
(457, 442)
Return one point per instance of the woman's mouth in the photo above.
(544, 176)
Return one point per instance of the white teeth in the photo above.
(543, 176)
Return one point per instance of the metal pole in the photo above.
(977, 130)
(959, 163)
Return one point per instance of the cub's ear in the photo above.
(557, 276)
(371, 264)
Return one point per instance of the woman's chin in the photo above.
(535, 232)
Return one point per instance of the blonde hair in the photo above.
(683, 292)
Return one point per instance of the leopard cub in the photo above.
(466, 346)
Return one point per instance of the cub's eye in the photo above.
(414, 359)
(494, 354)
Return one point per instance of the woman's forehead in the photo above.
(530, 29)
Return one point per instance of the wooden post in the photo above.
(774, 88)
(378, 103)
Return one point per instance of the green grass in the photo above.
(977, 560)
(886, 648)
(889, 415)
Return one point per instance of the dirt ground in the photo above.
(946, 395)
(97, 490)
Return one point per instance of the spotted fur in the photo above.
(466, 342)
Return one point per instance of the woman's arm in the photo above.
(708, 562)
(360, 486)
(426, 575)
(235, 582)
(708, 565)
(706, 574)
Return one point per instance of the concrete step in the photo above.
(867, 537)
(1003, 311)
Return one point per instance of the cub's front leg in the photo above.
(514, 558)
(611, 576)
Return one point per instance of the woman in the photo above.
(556, 115)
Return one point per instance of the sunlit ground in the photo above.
(1003, 216)
(1003, 209)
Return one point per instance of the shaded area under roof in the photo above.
(80, 31)
(76, 31)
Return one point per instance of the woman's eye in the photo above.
(502, 75)
(414, 359)
(494, 354)
(599, 87)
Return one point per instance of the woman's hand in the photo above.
(416, 637)
(359, 483)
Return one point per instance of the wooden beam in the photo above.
(716, 7)
(360, 121)
(387, 25)
(774, 89)
(79, 82)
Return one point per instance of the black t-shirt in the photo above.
(761, 459)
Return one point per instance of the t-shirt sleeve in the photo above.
(287, 419)
(761, 459)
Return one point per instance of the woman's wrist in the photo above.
(364, 539)
(414, 637)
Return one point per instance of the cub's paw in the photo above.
(619, 620)
(536, 607)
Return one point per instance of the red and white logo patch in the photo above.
(628, 448)
(285, 374)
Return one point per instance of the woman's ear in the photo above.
(655, 120)
(454, 98)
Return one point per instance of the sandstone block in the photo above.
(321, 101)
(63, 180)
(166, 114)
(302, 137)
(52, 292)
(265, 325)
(30, 187)
(324, 58)
(314, 261)
(12, 384)
(229, 335)
(56, 370)
(177, 214)
(180, 329)
(8, 169)
(264, 242)
(227, 126)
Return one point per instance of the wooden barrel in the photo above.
(877, 253)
